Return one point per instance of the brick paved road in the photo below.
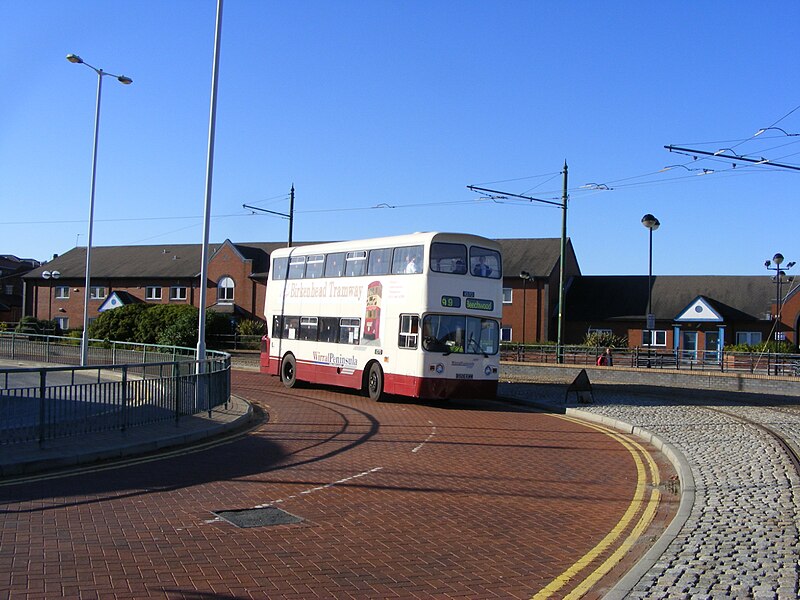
(404, 499)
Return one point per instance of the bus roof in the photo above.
(411, 239)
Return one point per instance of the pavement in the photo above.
(61, 453)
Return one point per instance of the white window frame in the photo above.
(178, 293)
(153, 292)
(61, 292)
(658, 334)
(226, 287)
(751, 338)
(62, 322)
(508, 295)
(94, 292)
(509, 336)
(409, 331)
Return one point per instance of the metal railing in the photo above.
(127, 385)
(757, 363)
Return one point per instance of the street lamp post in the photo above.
(49, 276)
(651, 223)
(779, 273)
(75, 59)
(526, 277)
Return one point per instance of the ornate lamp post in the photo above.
(651, 223)
(779, 274)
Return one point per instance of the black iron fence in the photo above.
(761, 363)
(127, 385)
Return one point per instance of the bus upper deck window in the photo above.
(334, 264)
(380, 261)
(485, 263)
(315, 266)
(407, 259)
(356, 264)
(297, 267)
(449, 258)
(280, 266)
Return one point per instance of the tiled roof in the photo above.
(623, 297)
(537, 256)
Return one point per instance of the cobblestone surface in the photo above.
(741, 537)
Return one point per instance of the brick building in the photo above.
(12, 296)
(693, 313)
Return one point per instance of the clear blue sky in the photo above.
(403, 104)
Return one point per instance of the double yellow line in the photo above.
(644, 504)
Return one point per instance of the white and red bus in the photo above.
(414, 315)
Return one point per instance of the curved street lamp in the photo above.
(651, 223)
(75, 59)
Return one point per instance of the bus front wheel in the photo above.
(289, 371)
(375, 382)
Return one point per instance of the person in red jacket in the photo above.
(605, 359)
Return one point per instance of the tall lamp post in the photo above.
(49, 276)
(526, 277)
(75, 59)
(651, 223)
(779, 273)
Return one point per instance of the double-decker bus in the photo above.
(415, 315)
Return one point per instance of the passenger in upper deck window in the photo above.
(411, 267)
(481, 269)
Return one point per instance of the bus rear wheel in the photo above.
(289, 371)
(375, 383)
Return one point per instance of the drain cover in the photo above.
(258, 517)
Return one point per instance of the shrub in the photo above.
(250, 327)
(119, 324)
(604, 339)
(783, 347)
(165, 324)
(33, 325)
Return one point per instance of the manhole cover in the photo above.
(258, 517)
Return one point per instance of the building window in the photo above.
(152, 292)
(10, 289)
(592, 330)
(97, 292)
(177, 292)
(751, 338)
(507, 295)
(659, 338)
(505, 334)
(62, 292)
(62, 323)
(225, 288)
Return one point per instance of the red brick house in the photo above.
(153, 274)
